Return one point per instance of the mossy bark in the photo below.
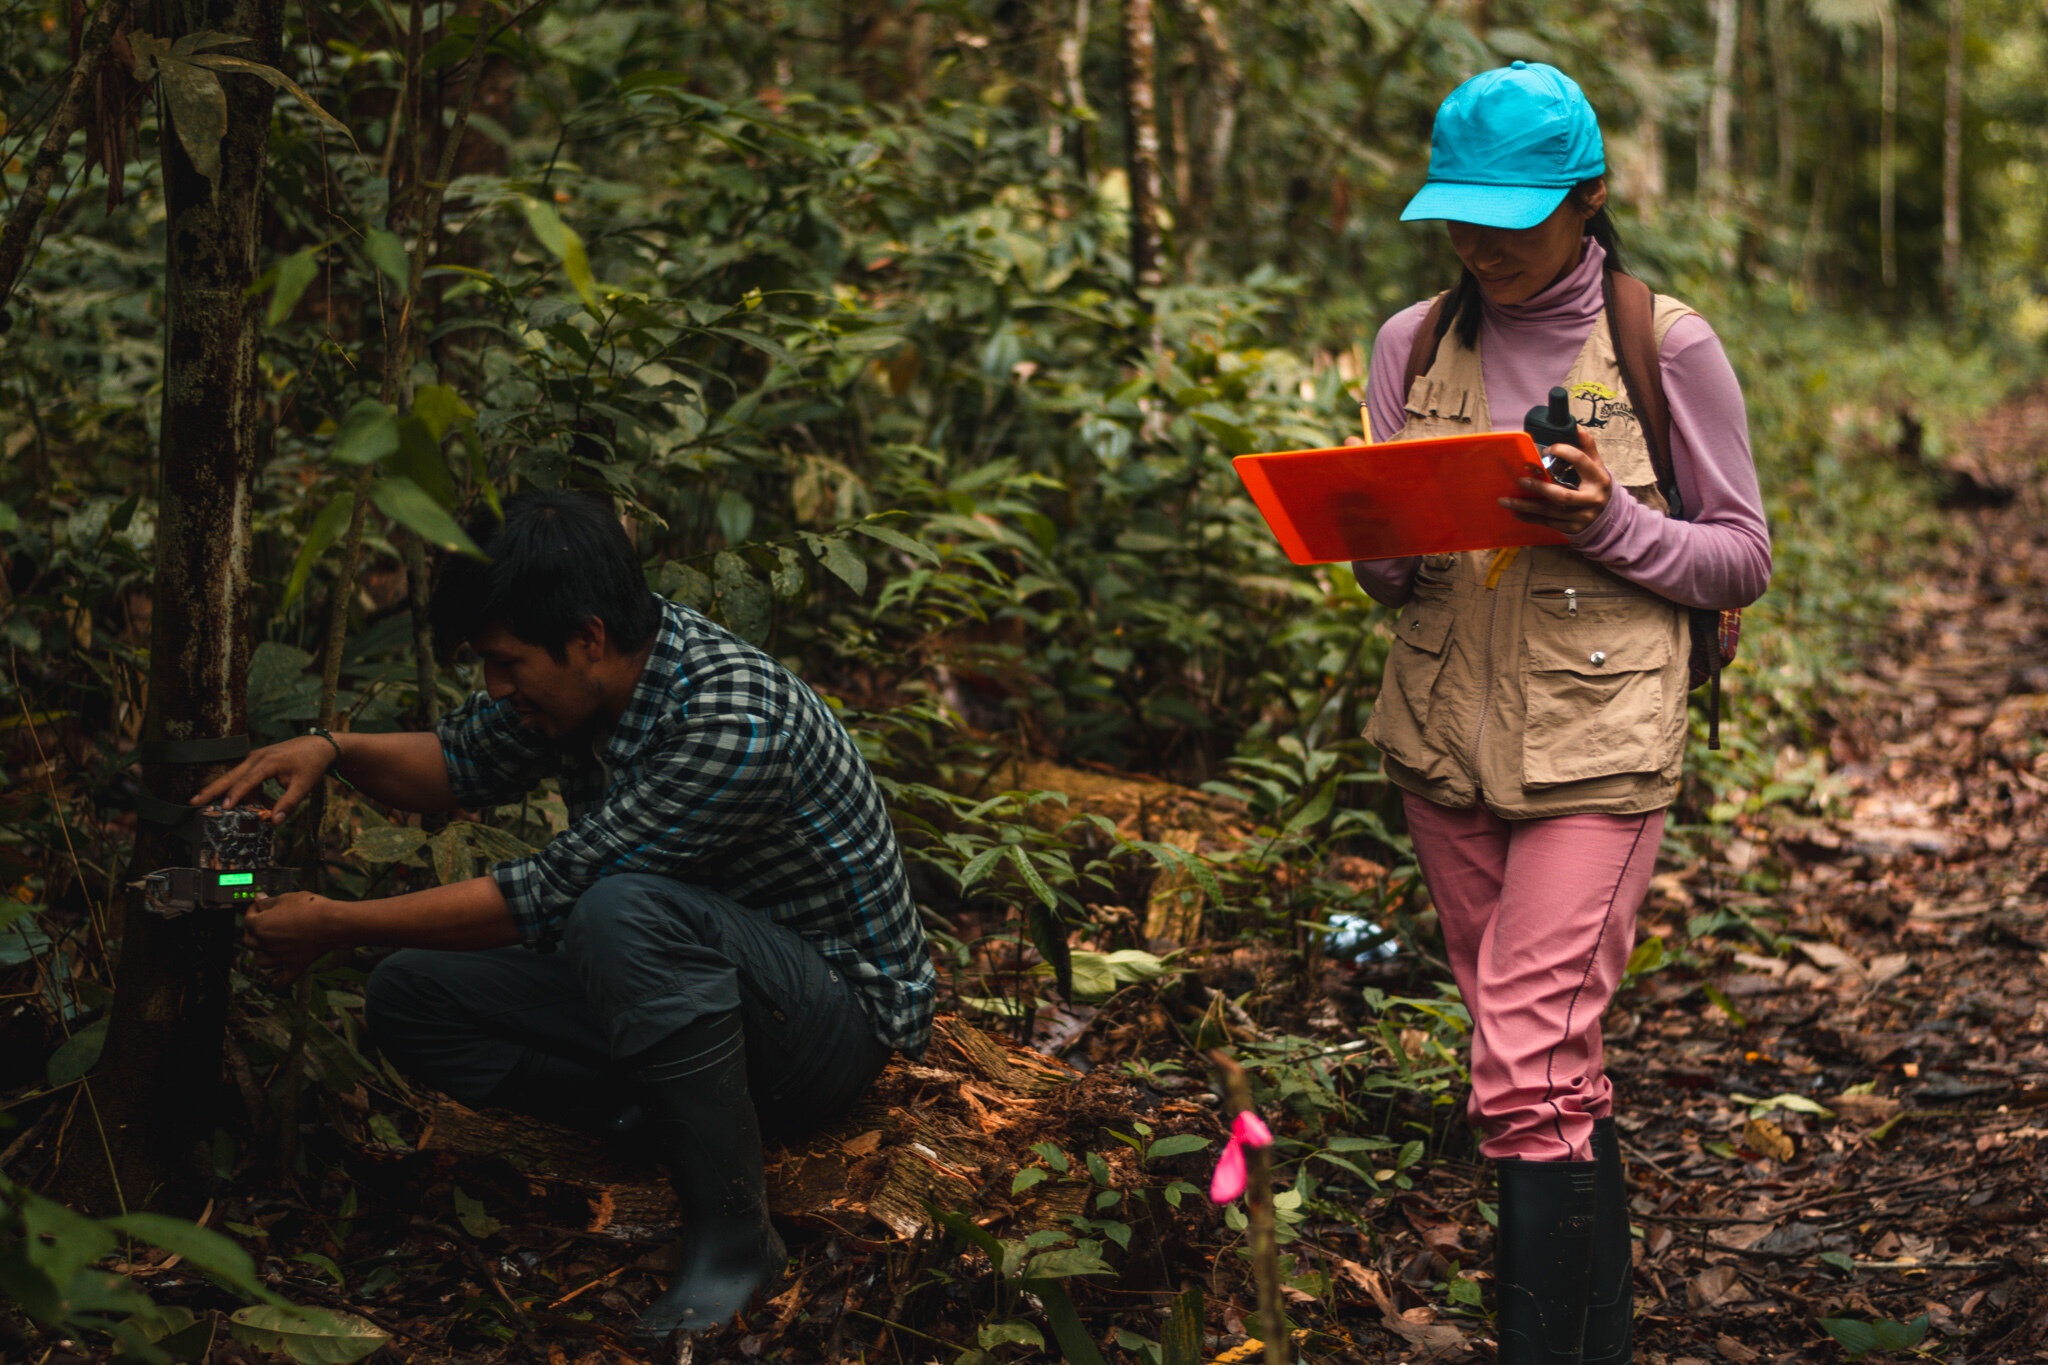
(153, 1093)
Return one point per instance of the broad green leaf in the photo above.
(453, 857)
(388, 844)
(419, 458)
(406, 503)
(1028, 1177)
(561, 239)
(1857, 1338)
(1075, 1343)
(202, 1248)
(279, 80)
(1234, 439)
(744, 601)
(1036, 881)
(311, 1336)
(735, 516)
(1010, 1334)
(476, 1220)
(198, 109)
(326, 527)
(295, 273)
(896, 540)
(368, 433)
(440, 407)
(78, 1054)
(788, 578)
(387, 252)
(1647, 957)
(1061, 1262)
(1177, 1145)
(837, 556)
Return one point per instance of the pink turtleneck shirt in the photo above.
(1720, 556)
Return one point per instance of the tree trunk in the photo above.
(153, 1093)
(1716, 146)
(1143, 138)
(1952, 168)
(1888, 154)
(1222, 87)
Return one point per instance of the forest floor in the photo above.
(1834, 1106)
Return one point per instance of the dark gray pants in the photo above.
(641, 956)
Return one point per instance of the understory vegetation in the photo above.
(898, 367)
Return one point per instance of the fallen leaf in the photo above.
(1831, 957)
(1767, 1139)
(1717, 1284)
(862, 1145)
(1731, 1349)
(1883, 969)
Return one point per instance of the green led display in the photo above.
(238, 879)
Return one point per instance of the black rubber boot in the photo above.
(700, 1118)
(1611, 1306)
(1543, 1259)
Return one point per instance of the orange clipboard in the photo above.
(1396, 498)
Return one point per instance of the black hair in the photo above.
(1463, 309)
(557, 561)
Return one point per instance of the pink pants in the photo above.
(1539, 917)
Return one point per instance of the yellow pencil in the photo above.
(1364, 421)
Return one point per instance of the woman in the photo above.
(1534, 707)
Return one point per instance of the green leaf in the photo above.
(744, 602)
(388, 844)
(198, 108)
(453, 858)
(1317, 809)
(787, 578)
(1178, 1145)
(561, 239)
(78, 1054)
(295, 273)
(368, 433)
(1840, 1260)
(387, 253)
(1067, 1328)
(278, 80)
(440, 407)
(837, 556)
(1234, 439)
(1724, 1004)
(474, 1217)
(1857, 1338)
(735, 516)
(1028, 1177)
(406, 503)
(1036, 881)
(202, 1248)
(419, 458)
(311, 1336)
(897, 540)
(1061, 1262)
(1010, 1333)
(328, 525)
(1647, 957)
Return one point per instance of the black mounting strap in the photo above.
(182, 752)
(158, 811)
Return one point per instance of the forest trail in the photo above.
(1912, 1007)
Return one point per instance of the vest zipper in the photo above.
(1571, 596)
(1485, 694)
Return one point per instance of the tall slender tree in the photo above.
(151, 1098)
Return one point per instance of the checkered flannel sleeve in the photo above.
(703, 787)
(492, 759)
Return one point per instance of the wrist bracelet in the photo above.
(334, 767)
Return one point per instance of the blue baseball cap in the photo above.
(1508, 145)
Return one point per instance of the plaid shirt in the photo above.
(726, 772)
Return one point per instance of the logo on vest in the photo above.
(1602, 404)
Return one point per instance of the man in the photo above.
(723, 931)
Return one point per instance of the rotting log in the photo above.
(947, 1133)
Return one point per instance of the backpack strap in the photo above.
(1631, 322)
(1422, 353)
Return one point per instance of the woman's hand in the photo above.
(298, 763)
(290, 933)
(1570, 510)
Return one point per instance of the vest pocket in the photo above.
(1400, 716)
(1596, 698)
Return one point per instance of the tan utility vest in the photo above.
(1547, 685)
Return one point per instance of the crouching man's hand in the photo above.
(290, 933)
